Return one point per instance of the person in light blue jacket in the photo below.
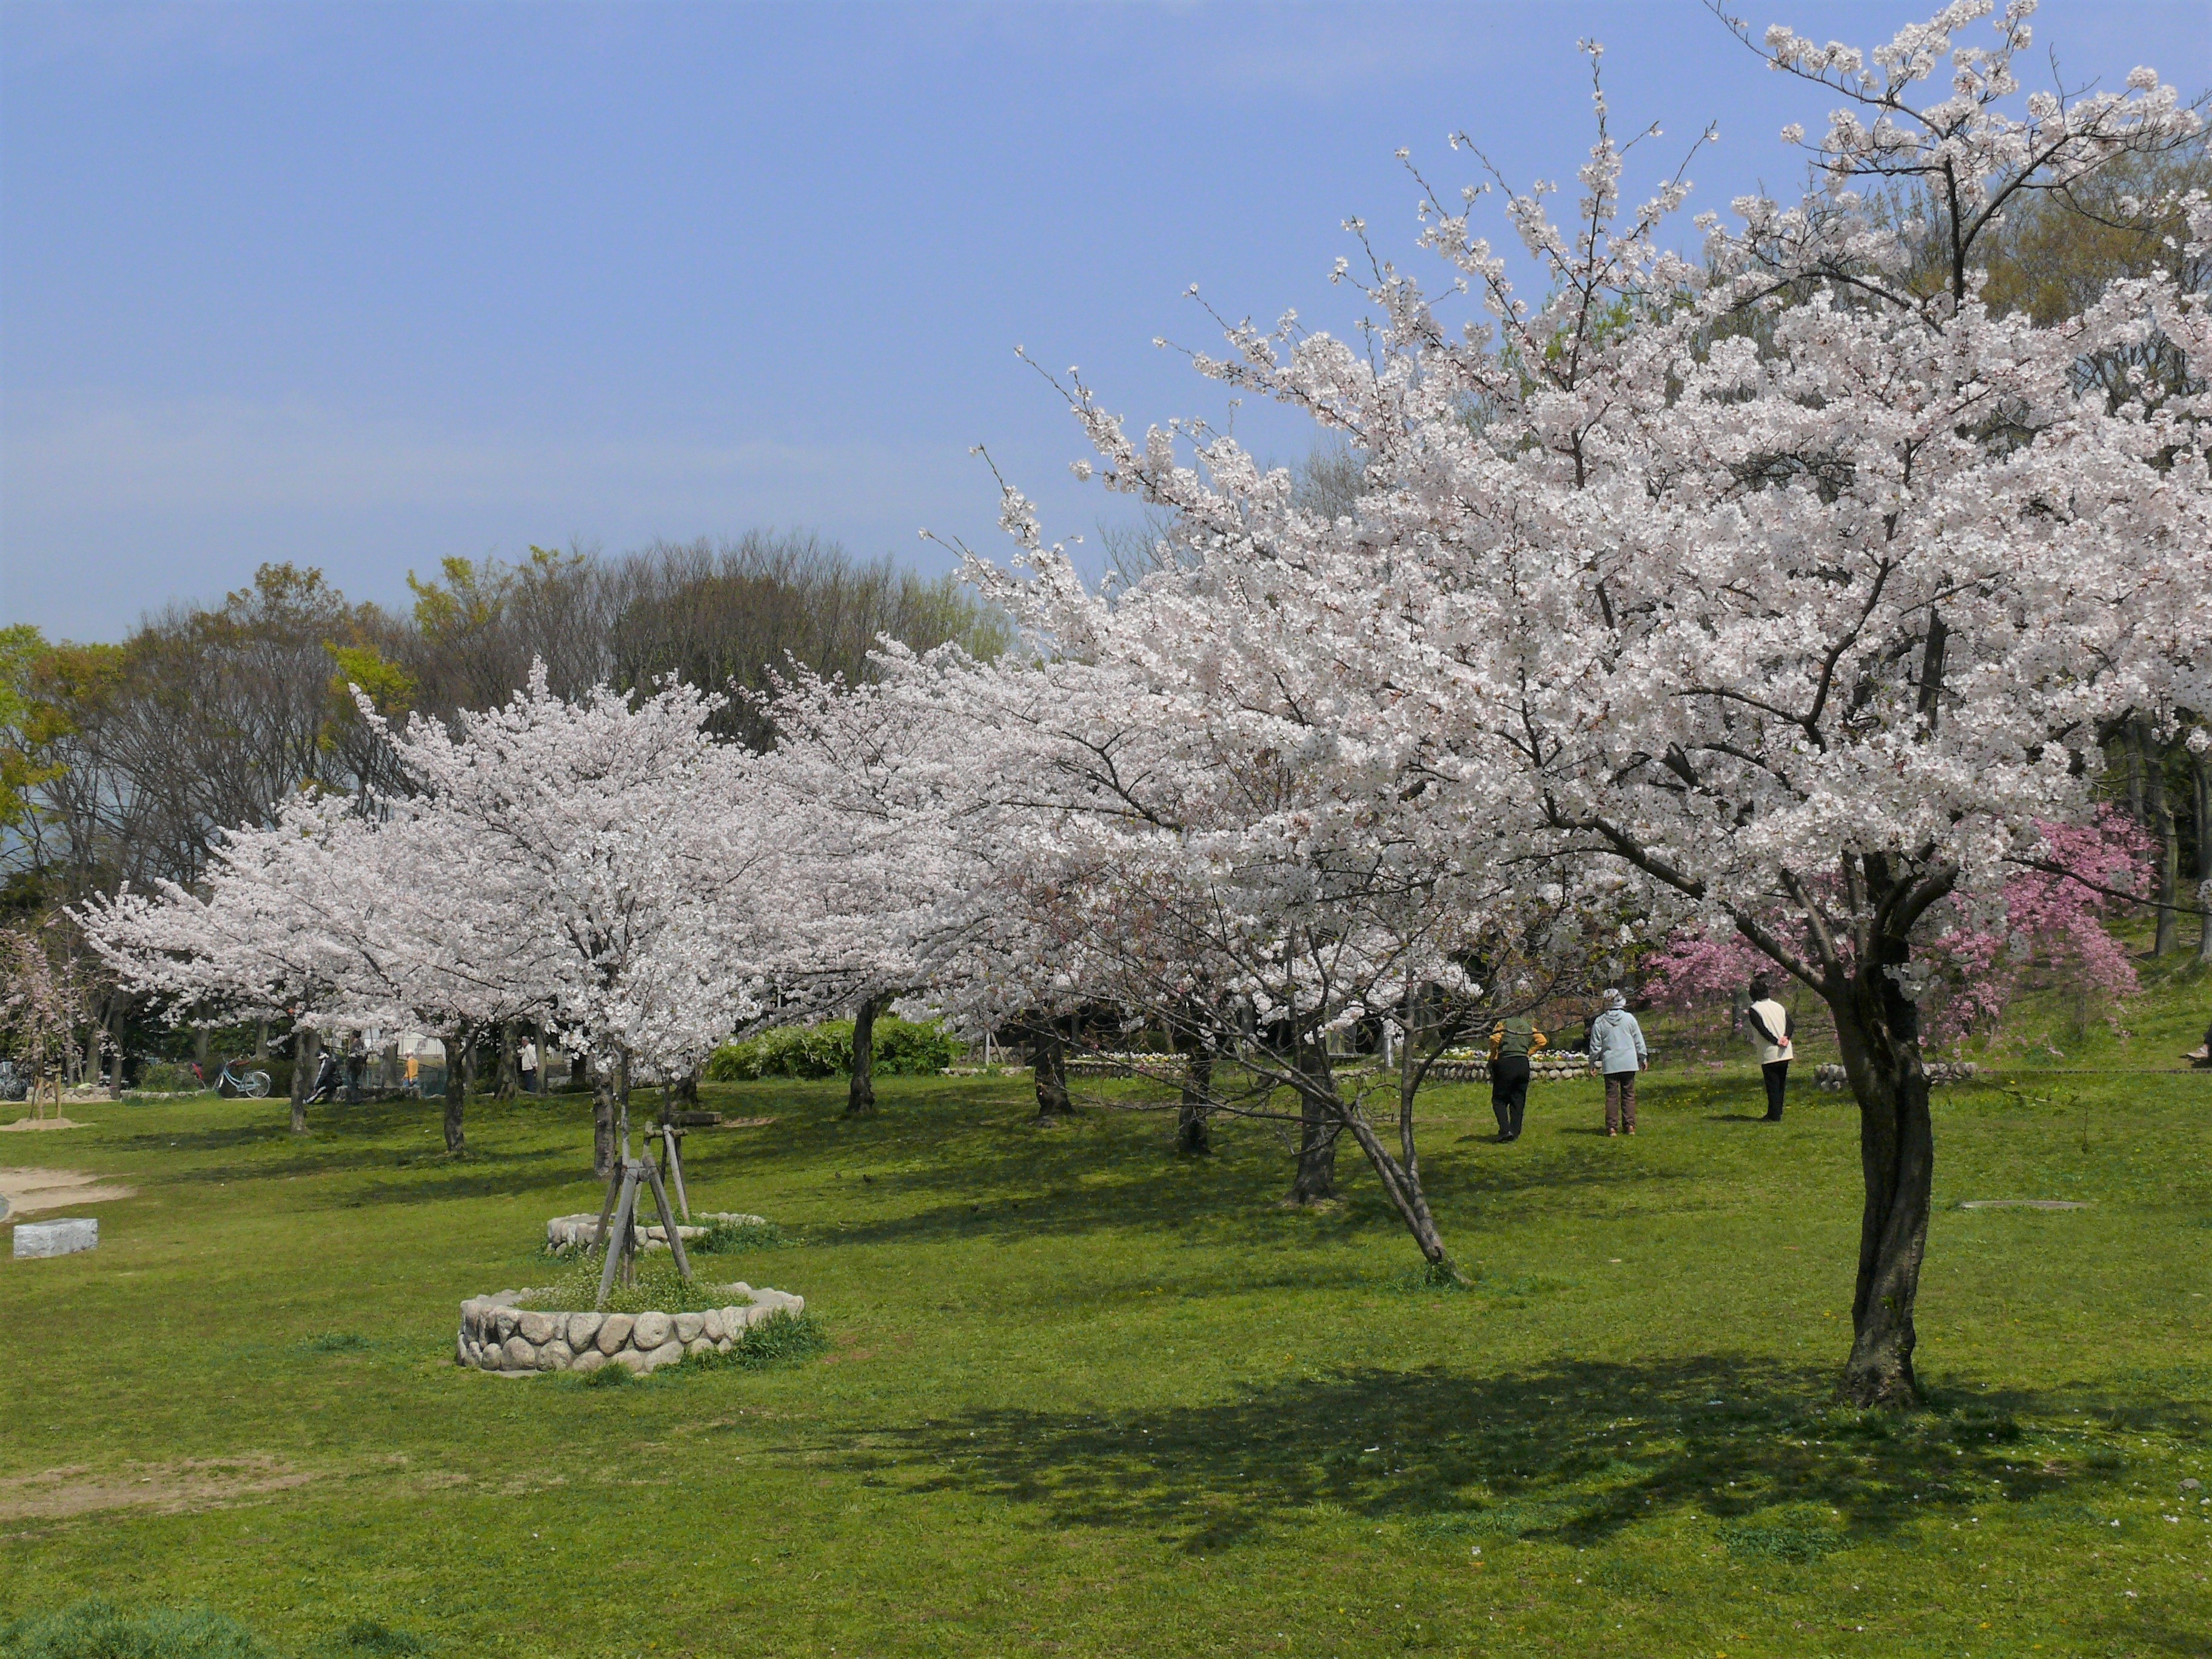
(1616, 1049)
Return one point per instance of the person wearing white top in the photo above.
(1772, 1027)
(527, 1062)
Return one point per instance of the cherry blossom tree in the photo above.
(867, 780)
(601, 863)
(47, 1020)
(341, 920)
(1166, 825)
(640, 855)
(1781, 574)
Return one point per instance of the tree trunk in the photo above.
(115, 1049)
(861, 1100)
(2160, 822)
(1193, 1131)
(261, 1041)
(1320, 1120)
(1879, 1032)
(2131, 752)
(457, 1138)
(687, 1087)
(2200, 775)
(604, 1151)
(510, 1074)
(203, 1051)
(307, 1047)
(1048, 1064)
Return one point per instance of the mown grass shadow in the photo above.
(1578, 1452)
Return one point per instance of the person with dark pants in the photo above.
(1510, 1044)
(1617, 1050)
(1771, 1027)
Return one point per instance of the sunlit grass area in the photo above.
(1085, 1398)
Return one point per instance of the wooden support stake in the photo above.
(668, 1222)
(672, 1138)
(624, 1212)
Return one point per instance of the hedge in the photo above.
(903, 1048)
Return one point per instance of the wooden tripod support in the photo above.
(620, 1209)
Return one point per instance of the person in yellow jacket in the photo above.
(1510, 1045)
(1772, 1026)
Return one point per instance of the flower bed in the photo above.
(498, 1334)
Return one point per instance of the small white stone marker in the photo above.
(67, 1237)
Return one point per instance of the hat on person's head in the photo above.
(1614, 999)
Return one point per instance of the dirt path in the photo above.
(31, 1190)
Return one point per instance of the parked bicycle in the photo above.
(235, 1083)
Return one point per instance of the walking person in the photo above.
(527, 1062)
(1510, 1045)
(1771, 1026)
(1616, 1049)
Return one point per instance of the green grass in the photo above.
(574, 1285)
(1081, 1397)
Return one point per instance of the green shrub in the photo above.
(167, 1077)
(903, 1048)
(658, 1288)
(782, 1339)
(100, 1630)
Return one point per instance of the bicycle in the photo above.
(232, 1084)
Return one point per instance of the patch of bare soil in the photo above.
(30, 1190)
(28, 1123)
(196, 1483)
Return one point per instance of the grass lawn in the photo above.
(1084, 1398)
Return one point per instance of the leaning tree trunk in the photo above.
(1193, 1131)
(860, 1099)
(457, 1090)
(2159, 806)
(306, 1049)
(1401, 1185)
(1048, 1064)
(1879, 1030)
(1320, 1119)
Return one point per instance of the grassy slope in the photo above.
(1085, 1400)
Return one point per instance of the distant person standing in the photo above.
(1510, 1044)
(1771, 1026)
(526, 1058)
(1616, 1049)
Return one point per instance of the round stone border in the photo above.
(581, 1231)
(499, 1337)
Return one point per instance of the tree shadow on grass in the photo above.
(1576, 1452)
(954, 1163)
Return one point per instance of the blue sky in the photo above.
(366, 286)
